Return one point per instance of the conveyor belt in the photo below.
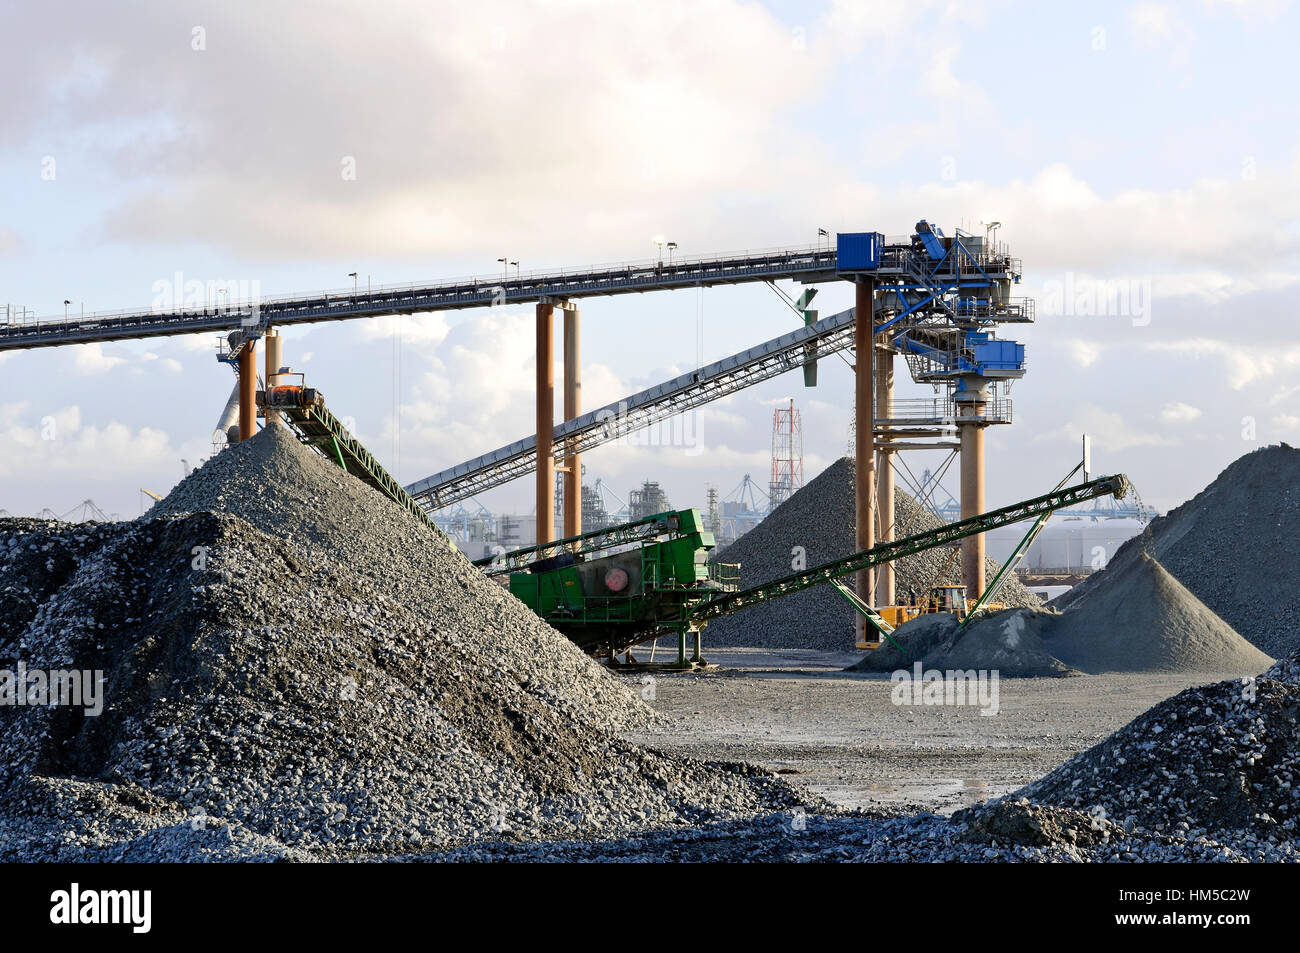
(317, 427)
(643, 409)
(896, 549)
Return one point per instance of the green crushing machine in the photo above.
(611, 589)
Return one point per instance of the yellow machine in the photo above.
(952, 598)
(939, 599)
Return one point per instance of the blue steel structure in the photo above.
(940, 313)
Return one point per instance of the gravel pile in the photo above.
(1024, 833)
(1138, 619)
(295, 495)
(1236, 546)
(1009, 642)
(332, 682)
(820, 518)
(1216, 762)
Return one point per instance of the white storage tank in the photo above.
(1068, 544)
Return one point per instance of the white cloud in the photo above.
(1083, 352)
(940, 81)
(697, 103)
(91, 359)
(1252, 12)
(1244, 364)
(1110, 430)
(1178, 412)
(1287, 394)
(416, 330)
(1152, 22)
(60, 445)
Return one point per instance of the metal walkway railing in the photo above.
(803, 263)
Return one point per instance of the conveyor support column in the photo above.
(971, 398)
(545, 422)
(248, 391)
(572, 409)
(864, 434)
(272, 342)
(884, 471)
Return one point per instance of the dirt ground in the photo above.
(841, 736)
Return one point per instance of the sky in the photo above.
(1142, 157)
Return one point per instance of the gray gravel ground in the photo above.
(1236, 546)
(820, 519)
(843, 738)
(1204, 776)
(1036, 835)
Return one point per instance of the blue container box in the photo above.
(1000, 355)
(858, 251)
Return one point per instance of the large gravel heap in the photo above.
(326, 679)
(1138, 619)
(1141, 619)
(1218, 763)
(1236, 546)
(820, 518)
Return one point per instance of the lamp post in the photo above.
(66, 302)
(505, 266)
(990, 235)
(672, 246)
(353, 276)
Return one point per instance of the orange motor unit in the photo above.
(292, 395)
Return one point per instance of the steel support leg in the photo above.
(972, 497)
(545, 422)
(248, 391)
(572, 409)
(884, 474)
(274, 358)
(864, 436)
